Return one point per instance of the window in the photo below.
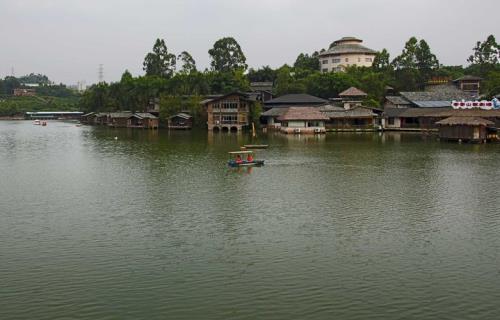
(346, 59)
(229, 104)
(229, 119)
(325, 61)
(325, 70)
(391, 121)
(368, 59)
(359, 59)
(336, 60)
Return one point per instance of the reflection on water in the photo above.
(153, 224)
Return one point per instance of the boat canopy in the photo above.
(241, 152)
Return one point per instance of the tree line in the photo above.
(175, 81)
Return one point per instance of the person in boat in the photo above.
(238, 159)
(249, 158)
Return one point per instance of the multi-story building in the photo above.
(229, 112)
(344, 53)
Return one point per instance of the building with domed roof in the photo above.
(344, 53)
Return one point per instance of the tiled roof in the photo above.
(397, 100)
(449, 95)
(300, 98)
(145, 115)
(468, 77)
(341, 47)
(120, 114)
(432, 104)
(465, 121)
(275, 112)
(181, 115)
(261, 86)
(352, 92)
(330, 108)
(359, 112)
(438, 112)
(302, 113)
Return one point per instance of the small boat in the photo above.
(44, 123)
(37, 122)
(255, 146)
(237, 159)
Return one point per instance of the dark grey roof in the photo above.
(217, 97)
(394, 112)
(432, 104)
(261, 86)
(295, 99)
(274, 112)
(397, 100)
(181, 115)
(468, 77)
(441, 95)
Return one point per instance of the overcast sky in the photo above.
(68, 39)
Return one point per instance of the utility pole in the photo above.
(12, 73)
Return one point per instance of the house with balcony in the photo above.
(228, 112)
(344, 53)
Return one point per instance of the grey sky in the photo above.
(68, 39)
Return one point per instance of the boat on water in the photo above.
(237, 159)
(37, 122)
(255, 146)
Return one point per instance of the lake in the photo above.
(154, 225)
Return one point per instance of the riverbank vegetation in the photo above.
(14, 106)
(49, 96)
(175, 83)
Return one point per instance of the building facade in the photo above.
(344, 53)
(229, 112)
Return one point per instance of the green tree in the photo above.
(287, 83)
(486, 57)
(426, 60)
(487, 52)
(408, 58)
(159, 62)
(255, 113)
(415, 65)
(10, 83)
(229, 81)
(382, 61)
(491, 85)
(35, 78)
(169, 105)
(263, 74)
(329, 85)
(96, 98)
(226, 55)
(188, 63)
(307, 62)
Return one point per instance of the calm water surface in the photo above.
(155, 226)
